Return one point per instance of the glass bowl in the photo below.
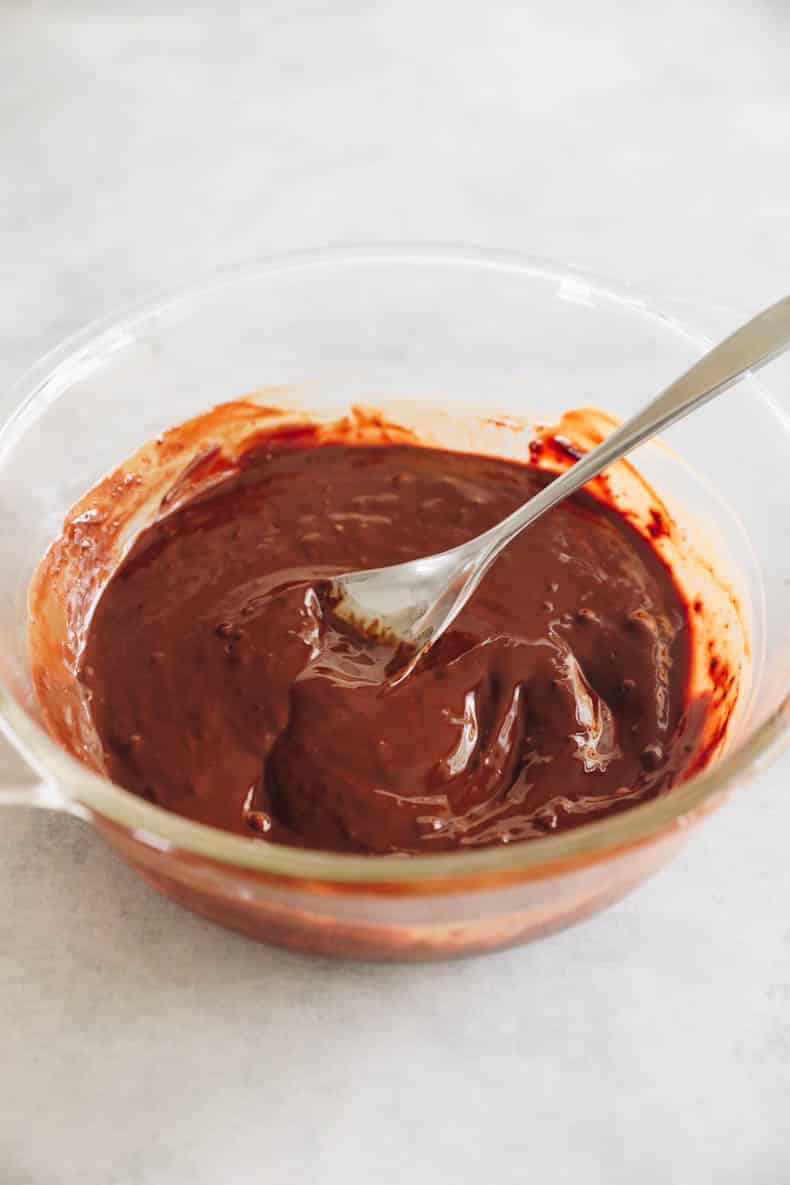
(459, 327)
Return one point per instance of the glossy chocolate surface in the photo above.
(214, 675)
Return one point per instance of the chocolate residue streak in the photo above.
(196, 660)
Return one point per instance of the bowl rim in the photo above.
(72, 787)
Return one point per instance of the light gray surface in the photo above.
(140, 1045)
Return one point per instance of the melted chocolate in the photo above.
(219, 686)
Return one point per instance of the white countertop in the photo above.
(141, 1045)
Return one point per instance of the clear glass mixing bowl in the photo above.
(451, 326)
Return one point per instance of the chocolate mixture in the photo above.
(215, 677)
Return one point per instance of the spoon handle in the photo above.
(757, 342)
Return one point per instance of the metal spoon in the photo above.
(413, 604)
